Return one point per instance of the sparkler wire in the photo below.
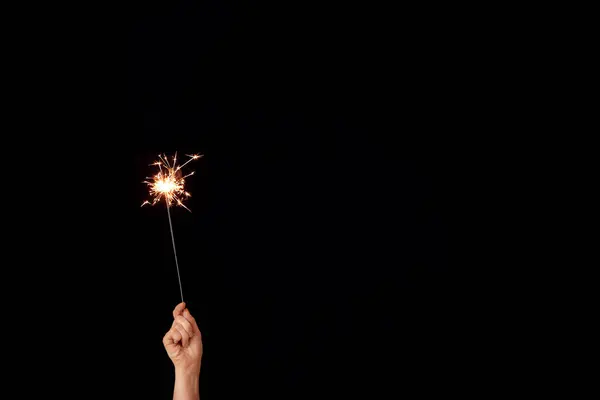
(174, 251)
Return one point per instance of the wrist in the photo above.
(186, 383)
(187, 371)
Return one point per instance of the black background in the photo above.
(321, 255)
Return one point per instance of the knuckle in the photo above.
(183, 322)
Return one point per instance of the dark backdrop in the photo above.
(319, 255)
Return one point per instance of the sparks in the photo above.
(169, 182)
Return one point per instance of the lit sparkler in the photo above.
(169, 184)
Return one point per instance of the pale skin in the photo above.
(183, 343)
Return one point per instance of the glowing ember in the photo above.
(169, 182)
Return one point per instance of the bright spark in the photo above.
(169, 182)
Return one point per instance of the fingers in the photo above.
(191, 320)
(183, 329)
(178, 309)
(185, 337)
(185, 325)
(172, 337)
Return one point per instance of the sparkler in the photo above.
(168, 184)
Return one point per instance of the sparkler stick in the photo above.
(174, 251)
(169, 185)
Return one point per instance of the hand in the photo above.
(183, 342)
